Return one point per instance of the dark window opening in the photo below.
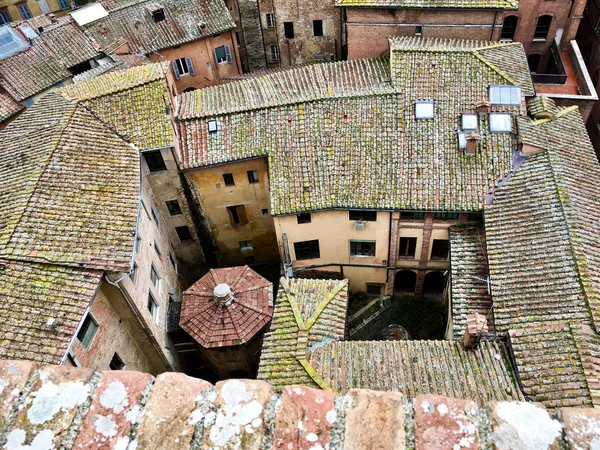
(152, 306)
(237, 215)
(307, 249)
(303, 218)
(408, 247)
(419, 29)
(228, 179)
(374, 289)
(153, 213)
(223, 54)
(405, 282)
(249, 260)
(446, 215)
(533, 61)
(116, 363)
(363, 216)
(270, 20)
(173, 207)
(158, 15)
(155, 161)
(317, 28)
(80, 68)
(237, 38)
(439, 249)
(362, 248)
(184, 233)
(542, 27)
(434, 283)
(509, 27)
(288, 30)
(265, 212)
(87, 331)
(412, 215)
(252, 176)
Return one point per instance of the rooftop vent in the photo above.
(157, 10)
(359, 225)
(202, 27)
(483, 107)
(223, 294)
(505, 95)
(424, 109)
(469, 122)
(500, 123)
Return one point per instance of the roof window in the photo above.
(469, 121)
(212, 126)
(462, 141)
(505, 95)
(424, 109)
(500, 123)
(157, 10)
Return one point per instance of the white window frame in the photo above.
(274, 53)
(212, 126)
(270, 19)
(182, 67)
(154, 277)
(424, 109)
(246, 246)
(155, 307)
(462, 140)
(499, 127)
(505, 95)
(469, 122)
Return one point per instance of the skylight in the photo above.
(212, 126)
(462, 140)
(469, 121)
(10, 43)
(424, 109)
(500, 123)
(505, 95)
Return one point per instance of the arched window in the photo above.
(405, 282)
(434, 283)
(542, 27)
(509, 27)
(534, 62)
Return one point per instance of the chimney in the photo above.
(223, 294)
(52, 18)
(472, 141)
(483, 107)
(476, 328)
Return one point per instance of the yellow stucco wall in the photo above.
(12, 7)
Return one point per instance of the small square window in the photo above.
(246, 246)
(228, 179)
(374, 289)
(184, 233)
(424, 109)
(155, 161)
(154, 277)
(152, 306)
(212, 126)
(303, 218)
(469, 122)
(408, 246)
(439, 249)
(116, 363)
(249, 260)
(265, 212)
(270, 20)
(252, 176)
(173, 207)
(87, 331)
(307, 249)
(500, 123)
(419, 30)
(317, 28)
(158, 15)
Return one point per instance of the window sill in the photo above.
(539, 40)
(362, 256)
(247, 250)
(407, 257)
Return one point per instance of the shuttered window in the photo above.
(183, 66)
(223, 54)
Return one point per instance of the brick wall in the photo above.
(61, 407)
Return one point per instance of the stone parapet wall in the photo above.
(52, 407)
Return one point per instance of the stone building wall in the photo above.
(62, 407)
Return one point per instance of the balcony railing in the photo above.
(556, 69)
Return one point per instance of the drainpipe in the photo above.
(493, 26)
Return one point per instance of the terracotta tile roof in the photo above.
(308, 313)
(119, 62)
(469, 270)
(68, 43)
(134, 24)
(8, 106)
(31, 294)
(321, 148)
(418, 367)
(431, 4)
(30, 71)
(213, 324)
(286, 87)
(60, 204)
(542, 107)
(133, 102)
(550, 366)
(588, 347)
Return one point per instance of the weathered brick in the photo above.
(115, 408)
(51, 407)
(375, 421)
(444, 423)
(166, 421)
(240, 417)
(582, 427)
(304, 419)
(524, 426)
(13, 378)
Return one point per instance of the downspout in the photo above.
(493, 26)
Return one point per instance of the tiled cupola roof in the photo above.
(234, 319)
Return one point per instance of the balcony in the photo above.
(566, 79)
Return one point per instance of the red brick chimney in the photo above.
(472, 141)
(476, 328)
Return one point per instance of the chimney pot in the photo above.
(223, 294)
